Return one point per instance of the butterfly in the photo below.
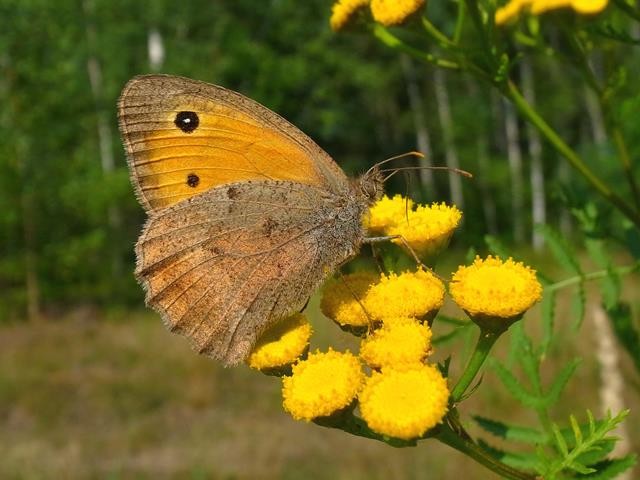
(246, 214)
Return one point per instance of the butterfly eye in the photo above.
(193, 180)
(187, 121)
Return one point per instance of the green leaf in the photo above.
(560, 249)
(548, 314)
(625, 330)
(496, 247)
(515, 388)
(561, 380)
(560, 442)
(610, 284)
(510, 432)
(608, 469)
(522, 461)
(578, 302)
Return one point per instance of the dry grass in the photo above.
(81, 397)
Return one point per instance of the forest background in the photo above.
(90, 383)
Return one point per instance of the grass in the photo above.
(84, 397)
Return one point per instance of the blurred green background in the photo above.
(91, 385)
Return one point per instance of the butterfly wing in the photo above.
(184, 137)
(224, 265)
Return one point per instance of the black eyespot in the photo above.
(187, 121)
(193, 180)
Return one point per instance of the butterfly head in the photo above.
(371, 185)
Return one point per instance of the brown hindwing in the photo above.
(224, 265)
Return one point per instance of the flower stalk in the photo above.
(486, 340)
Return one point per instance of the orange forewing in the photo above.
(232, 142)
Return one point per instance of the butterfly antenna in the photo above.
(393, 171)
(396, 157)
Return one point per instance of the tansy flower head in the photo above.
(342, 297)
(419, 295)
(427, 229)
(404, 403)
(387, 212)
(394, 12)
(281, 345)
(512, 9)
(321, 385)
(343, 11)
(495, 293)
(399, 343)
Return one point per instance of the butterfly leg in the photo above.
(388, 238)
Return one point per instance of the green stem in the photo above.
(474, 451)
(591, 276)
(483, 347)
(391, 41)
(510, 90)
(625, 159)
(457, 33)
(436, 34)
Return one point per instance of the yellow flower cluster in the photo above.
(426, 229)
(404, 403)
(399, 343)
(398, 392)
(322, 384)
(385, 12)
(362, 298)
(281, 345)
(493, 288)
(343, 10)
(394, 12)
(512, 9)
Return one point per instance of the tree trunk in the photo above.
(538, 198)
(423, 142)
(155, 49)
(446, 123)
(104, 131)
(514, 156)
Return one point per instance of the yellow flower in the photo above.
(342, 297)
(322, 384)
(495, 289)
(282, 344)
(536, 7)
(343, 11)
(404, 403)
(427, 229)
(387, 212)
(401, 342)
(394, 12)
(418, 295)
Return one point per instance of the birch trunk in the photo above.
(446, 123)
(534, 143)
(514, 156)
(416, 102)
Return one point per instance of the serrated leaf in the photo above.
(609, 469)
(522, 461)
(496, 247)
(578, 303)
(560, 442)
(561, 381)
(548, 315)
(560, 249)
(610, 284)
(625, 330)
(510, 432)
(577, 433)
(515, 388)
